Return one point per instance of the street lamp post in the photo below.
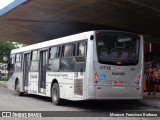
(5, 59)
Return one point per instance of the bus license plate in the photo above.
(118, 84)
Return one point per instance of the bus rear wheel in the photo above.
(56, 95)
(18, 89)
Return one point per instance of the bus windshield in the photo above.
(118, 48)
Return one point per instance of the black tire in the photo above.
(55, 94)
(18, 89)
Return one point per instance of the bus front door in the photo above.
(42, 71)
(26, 70)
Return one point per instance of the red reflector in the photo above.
(118, 63)
(97, 32)
(96, 77)
(139, 35)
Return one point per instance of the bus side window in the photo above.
(11, 64)
(18, 65)
(34, 61)
(54, 59)
(81, 57)
(68, 57)
(10, 67)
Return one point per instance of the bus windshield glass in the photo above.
(118, 48)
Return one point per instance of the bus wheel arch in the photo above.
(53, 82)
(17, 87)
(55, 92)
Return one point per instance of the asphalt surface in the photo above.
(9, 101)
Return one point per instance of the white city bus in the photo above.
(102, 64)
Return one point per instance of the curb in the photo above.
(155, 102)
(3, 83)
(152, 105)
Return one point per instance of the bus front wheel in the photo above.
(55, 94)
(18, 89)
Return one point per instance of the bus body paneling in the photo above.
(119, 78)
(113, 77)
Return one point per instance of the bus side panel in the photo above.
(33, 82)
(65, 81)
(12, 80)
(11, 83)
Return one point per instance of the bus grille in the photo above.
(78, 86)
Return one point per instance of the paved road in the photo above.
(9, 101)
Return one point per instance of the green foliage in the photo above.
(17, 45)
(4, 79)
(5, 49)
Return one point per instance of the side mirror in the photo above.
(9, 67)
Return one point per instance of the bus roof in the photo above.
(58, 41)
(62, 40)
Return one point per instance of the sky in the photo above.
(4, 3)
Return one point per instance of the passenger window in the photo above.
(34, 61)
(80, 65)
(54, 60)
(35, 55)
(82, 49)
(68, 57)
(18, 65)
(81, 52)
(67, 51)
(18, 57)
(54, 52)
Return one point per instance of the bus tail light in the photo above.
(96, 77)
(97, 32)
(119, 63)
(138, 79)
(139, 35)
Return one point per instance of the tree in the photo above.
(5, 49)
